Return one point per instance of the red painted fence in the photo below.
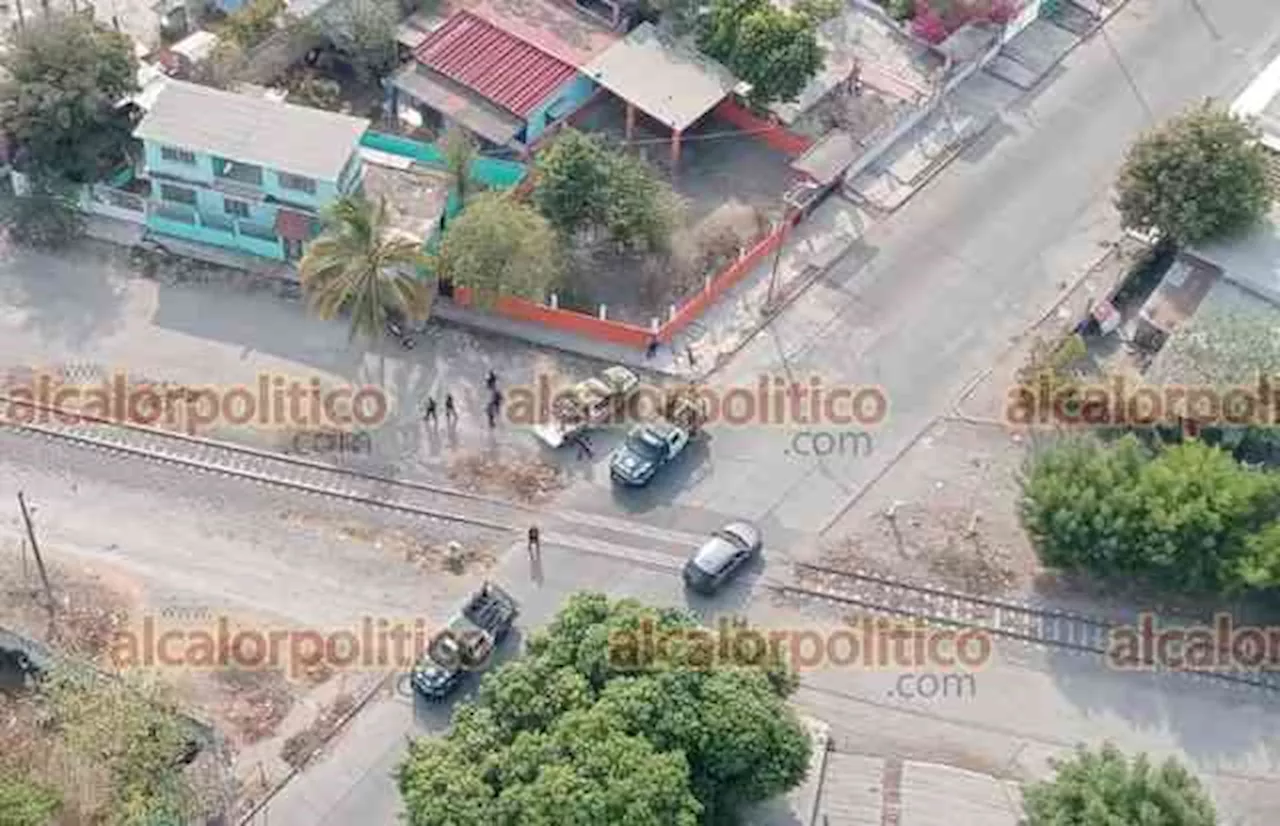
(621, 332)
(776, 135)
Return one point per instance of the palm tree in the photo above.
(361, 266)
(459, 153)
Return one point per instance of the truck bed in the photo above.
(491, 609)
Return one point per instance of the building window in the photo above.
(176, 155)
(297, 183)
(237, 208)
(178, 194)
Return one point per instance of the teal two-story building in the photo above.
(243, 172)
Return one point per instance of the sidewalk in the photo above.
(966, 113)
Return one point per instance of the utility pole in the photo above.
(50, 605)
(777, 255)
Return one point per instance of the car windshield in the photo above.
(645, 443)
(713, 556)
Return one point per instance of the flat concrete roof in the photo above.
(669, 82)
(1251, 260)
(415, 197)
(296, 139)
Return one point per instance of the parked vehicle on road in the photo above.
(650, 446)
(466, 643)
(587, 404)
(726, 552)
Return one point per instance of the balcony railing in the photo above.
(223, 224)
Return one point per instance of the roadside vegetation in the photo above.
(83, 747)
(585, 729)
(1103, 786)
(499, 246)
(1187, 517)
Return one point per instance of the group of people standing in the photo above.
(492, 409)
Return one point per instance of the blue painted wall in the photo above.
(567, 98)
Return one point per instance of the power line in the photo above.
(1124, 70)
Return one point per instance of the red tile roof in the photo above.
(499, 66)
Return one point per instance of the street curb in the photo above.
(337, 729)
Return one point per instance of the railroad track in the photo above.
(884, 596)
(263, 467)
(869, 593)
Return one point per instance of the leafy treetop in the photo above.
(1105, 787)
(773, 49)
(1198, 177)
(593, 727)
(66, 75)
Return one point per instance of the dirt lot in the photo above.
(946, 512)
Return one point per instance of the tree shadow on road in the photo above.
(70, 297)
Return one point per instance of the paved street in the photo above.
(929, 297)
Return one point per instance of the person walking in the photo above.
(652, 349)
(583, 444)
(450, 411)
(430, 415)
(491, 410)
(491, 380)
(535, 543)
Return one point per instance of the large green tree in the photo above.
(65, 77)
(499, 246)
(1200, 176)
(1104, 787)
(361, 266)
(1189, 516)
(572, 176)
(582, 185)
(594, 726)
(773, 49)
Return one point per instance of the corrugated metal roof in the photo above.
(669, 82)
(501, 67)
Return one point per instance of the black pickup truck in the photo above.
(466, 643)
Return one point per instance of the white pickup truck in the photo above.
(587, 404)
